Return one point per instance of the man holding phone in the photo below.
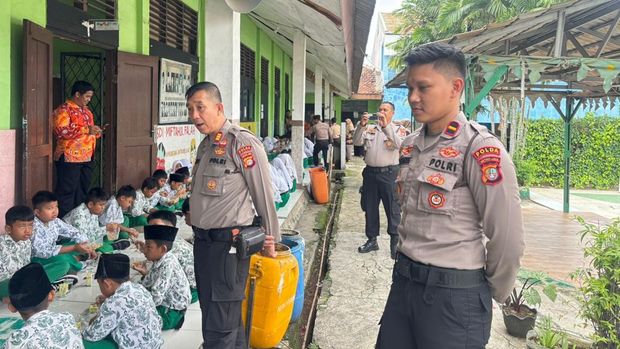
(379, 184)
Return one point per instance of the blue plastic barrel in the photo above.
(296, 243)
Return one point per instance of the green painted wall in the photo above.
(12, 45)
(133, 26)
(373, 106)
(259, 42)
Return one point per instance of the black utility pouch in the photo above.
(249, 241)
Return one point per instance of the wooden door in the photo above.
(137, 85)
(37, 111)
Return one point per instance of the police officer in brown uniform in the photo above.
(322, 138)
(231, 186)
(461, 236)
(379, 176)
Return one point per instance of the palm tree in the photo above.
(425, 21)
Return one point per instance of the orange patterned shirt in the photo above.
(71, 130)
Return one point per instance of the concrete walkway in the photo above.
(357, 285)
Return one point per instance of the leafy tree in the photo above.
(426, 21)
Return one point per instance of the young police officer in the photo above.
(457, 188)
(232, 184)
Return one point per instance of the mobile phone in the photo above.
(372, 120)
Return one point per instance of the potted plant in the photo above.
(520, 318)
(600, 282)
(546, 336)
(524, 170)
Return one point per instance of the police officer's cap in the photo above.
(29, 286)
(160, 232)
(113, 266)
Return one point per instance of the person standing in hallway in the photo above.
(461, 237)
(322, 139)
(379, 183)
(76, 137)
(231, 188)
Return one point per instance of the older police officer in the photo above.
(461, 237)
(231, 186)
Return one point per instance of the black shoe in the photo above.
(70, 279)
(393, 246)
(121, 244)
(370, 245)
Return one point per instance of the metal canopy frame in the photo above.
(576, 43)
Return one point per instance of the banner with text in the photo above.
(176, 146)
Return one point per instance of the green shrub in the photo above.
(595, 145)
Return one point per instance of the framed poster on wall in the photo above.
(177, 146)
(174, 79)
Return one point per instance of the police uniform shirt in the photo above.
(130, 316)
(47, 330)
(113, 213)
(168, 284)
(321, 131)
(184, 251)
(44, 237)
(232, 182)
(453, 197)
(335, 128)
(86, 222)
(13, 255)
(382, 144)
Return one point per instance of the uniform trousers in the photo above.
(320, 146)
(221, 279)
(72, 183)
(55, 268)
(379, 185)
(430, 307)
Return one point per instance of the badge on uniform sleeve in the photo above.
(247, 156)
(436, 199)
(436, 179)
(449, 152)
(489, 159)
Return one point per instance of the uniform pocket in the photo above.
(435, 194)
(213, 181)
(228, 281)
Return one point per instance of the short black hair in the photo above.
(96, 195)
(164, 215)
(82, 87)
(390, 104)
(334, 120)
(316, 117)
(440, 55)
(159, 174)
(150, 183)
(126, 191)
(19, 213)
(210, 88)
(43, 197)
(183, 170)
(161, 243)
(185, 206)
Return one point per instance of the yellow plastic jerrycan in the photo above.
(274, 296)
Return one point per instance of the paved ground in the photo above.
(357, 285)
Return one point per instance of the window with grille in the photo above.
(264, 71)
(174, 24)
(248, 66)
(248, 76)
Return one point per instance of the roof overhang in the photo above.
(336, 32)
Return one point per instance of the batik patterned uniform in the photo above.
(113, 213)
(88, 223)
(44, 237)
(141, 205)
(184, 251)
(129, 316)
(171, 193)
(13, 255)
(46, 330)
(168, 284)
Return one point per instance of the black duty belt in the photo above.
(436, 276)
(216, 234)
(383, 169)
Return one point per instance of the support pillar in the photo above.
(299, 101)
(567, 132)
(318, 91)
(328, 102)
(223, 65)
